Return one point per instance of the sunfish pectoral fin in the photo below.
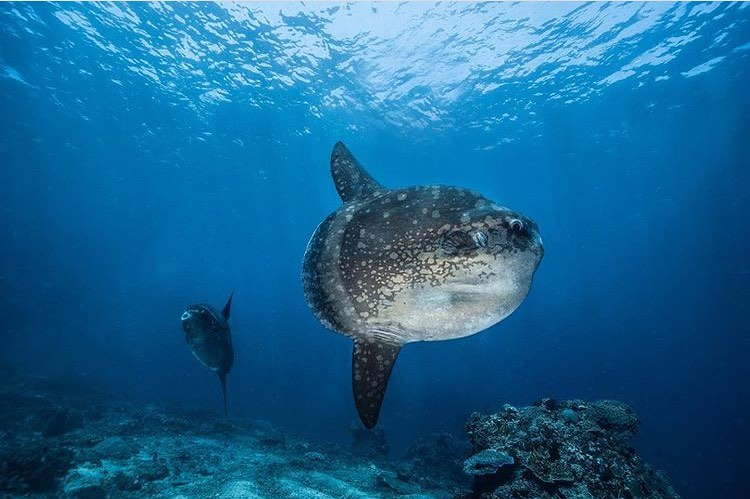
(372, 362)
(228, 306)
(351, 179)
(223, 379)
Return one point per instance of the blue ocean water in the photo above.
(155, 155)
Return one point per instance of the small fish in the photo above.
(210, 339)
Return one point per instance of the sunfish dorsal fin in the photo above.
(372, 362)
(227, 307)
(351, 179)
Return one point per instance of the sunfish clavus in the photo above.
(426, 263)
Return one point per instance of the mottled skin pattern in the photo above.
(427, 263)
(208, 335)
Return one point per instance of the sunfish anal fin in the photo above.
(223, 379)
(351, 179)
(372, 362)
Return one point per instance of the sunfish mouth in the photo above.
(185, 315)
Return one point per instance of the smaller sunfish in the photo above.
(210, 339)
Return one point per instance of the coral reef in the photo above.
(571, 449)
(88, 446)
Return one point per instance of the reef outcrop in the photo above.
(570, 449)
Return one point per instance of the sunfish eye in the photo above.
(480, 239)
(516, 225)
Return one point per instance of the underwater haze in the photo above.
(159, 155)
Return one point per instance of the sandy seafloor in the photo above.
(56, 445)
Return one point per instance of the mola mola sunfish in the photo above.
(426, 263)
(210, 339)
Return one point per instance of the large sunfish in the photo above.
(208, 335)
(426, 263)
